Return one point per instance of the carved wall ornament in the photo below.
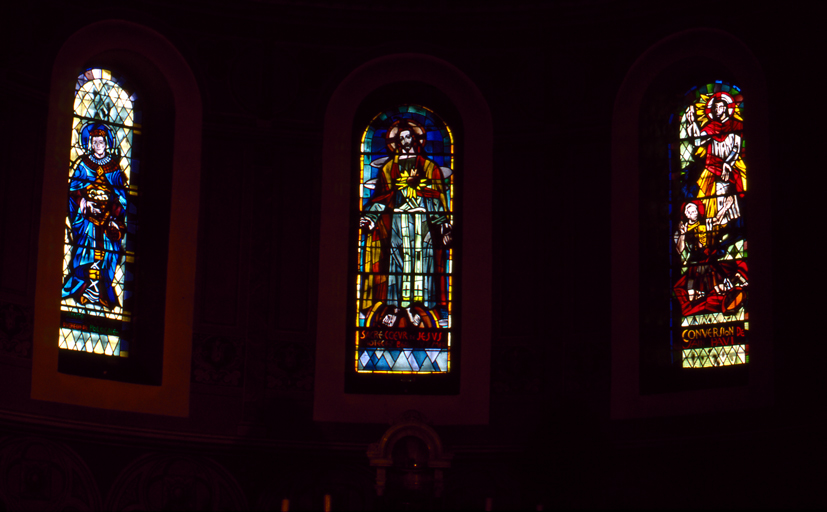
(175, 482)
(39, 474)
(290, 366)
(217, 360)
(16, 329)
(410, 459)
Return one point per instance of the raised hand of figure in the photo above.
(690, 114)
(682, 228)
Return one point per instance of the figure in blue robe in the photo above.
(97, 218)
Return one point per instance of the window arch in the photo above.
(160, 330)
(381, 84)
(649, 193)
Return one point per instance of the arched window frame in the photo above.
(105, 40)
(709, 51)
(470, 405)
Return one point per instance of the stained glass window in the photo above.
(403, 315)
(710, 276)
(101, 220)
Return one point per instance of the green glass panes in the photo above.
(714, 356)
(101, 222)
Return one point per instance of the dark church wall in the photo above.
(550, 73)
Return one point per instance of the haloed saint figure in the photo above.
(96, 221)
(408, 234)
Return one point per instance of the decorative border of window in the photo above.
(403, 284)
(100, 231)
(709, 272)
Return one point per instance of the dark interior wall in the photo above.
(550, 73)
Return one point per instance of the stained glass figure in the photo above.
(710, 275)
(403, 314)
(99, 252)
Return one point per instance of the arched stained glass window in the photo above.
(101, 219)
(403, 310)
(710, 275)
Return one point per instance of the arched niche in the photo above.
(413, 448)
(710, 52)
(470, 405)
(174, 147)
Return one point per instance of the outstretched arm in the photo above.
(692, 128)
(728, 202)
